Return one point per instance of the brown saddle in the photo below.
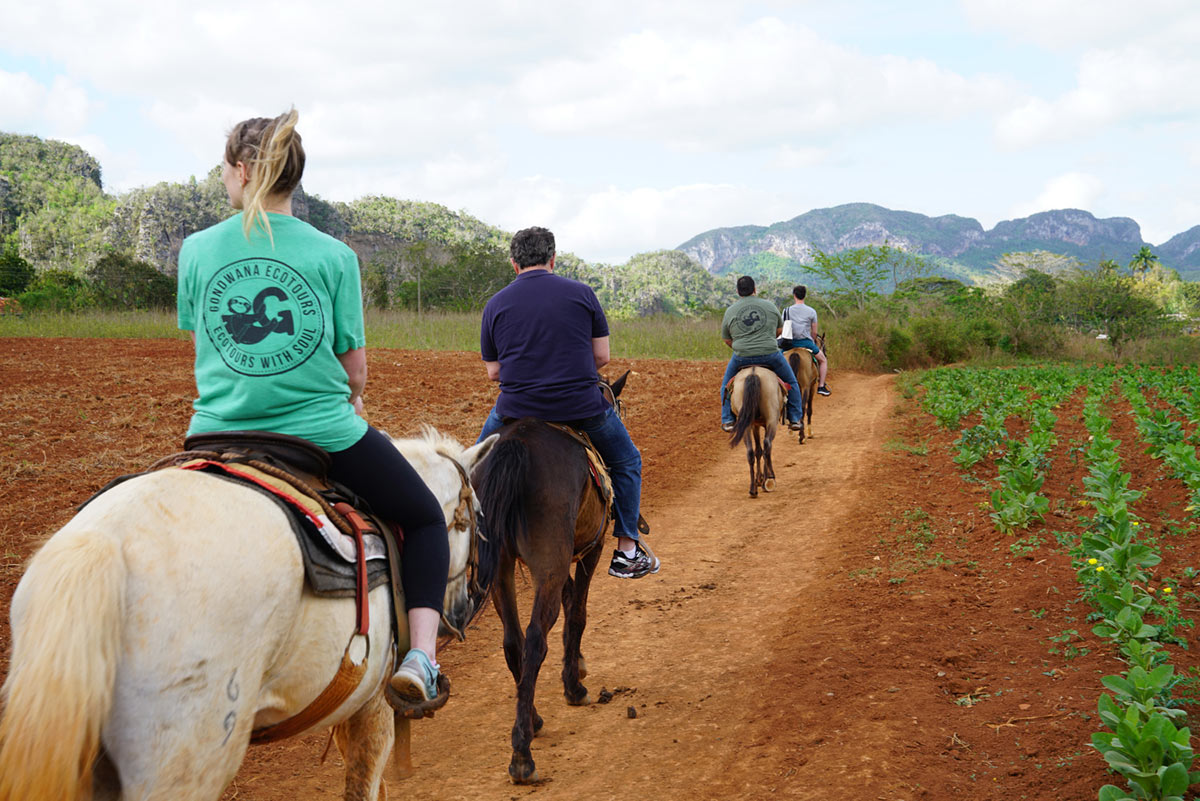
(729, 383)
(298, 456)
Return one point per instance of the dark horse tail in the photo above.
(751, 397)
(501, 492)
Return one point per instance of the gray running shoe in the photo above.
(636, 566)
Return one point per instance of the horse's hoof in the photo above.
(523, 772)
(769, 485)
(583, 700)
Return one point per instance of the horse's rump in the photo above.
(525, 472)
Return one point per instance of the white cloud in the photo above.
(1058, 24)
(662, 99)
(611, 224)
(1133, 63)
(738, 88)
(787, 157)
(63, 107)
(1072, 190)
(1136, 83)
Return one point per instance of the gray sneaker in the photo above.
(727, 427)
(416, 678)
(636, 566)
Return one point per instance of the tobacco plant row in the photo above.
(1141, 741)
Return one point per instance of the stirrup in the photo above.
(418, 710)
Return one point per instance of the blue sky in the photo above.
(632, 126)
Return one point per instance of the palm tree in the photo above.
(1143, 260)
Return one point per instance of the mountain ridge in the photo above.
(959, 247)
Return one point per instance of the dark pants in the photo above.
(374, 469)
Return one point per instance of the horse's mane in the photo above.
(432, 439)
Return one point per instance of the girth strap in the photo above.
(345, 682)
(601, 483)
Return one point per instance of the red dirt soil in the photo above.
(863, 632)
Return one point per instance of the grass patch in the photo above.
(898, 445)
(158, 324)
(657, 337)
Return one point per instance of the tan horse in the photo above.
(757, 400)
(804, 365)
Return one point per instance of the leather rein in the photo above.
(464, 515)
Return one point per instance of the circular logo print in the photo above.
(749, 322)
(262, 316)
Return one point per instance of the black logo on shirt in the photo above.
(249, 323)
(262, 316)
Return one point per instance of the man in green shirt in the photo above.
(750, 327)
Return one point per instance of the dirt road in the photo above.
(811, 643)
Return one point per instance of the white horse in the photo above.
(170, 618)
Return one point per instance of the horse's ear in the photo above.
(619, 384)
(475, 454)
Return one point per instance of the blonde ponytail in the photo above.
(274, 157)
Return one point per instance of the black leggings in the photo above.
(374, 469)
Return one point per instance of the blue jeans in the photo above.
(782, 369)
(788, 344)
(620, 455)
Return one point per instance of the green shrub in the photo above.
(941, 338)
(121, 282)
(16, 274)
(57, 290)
(898, 349)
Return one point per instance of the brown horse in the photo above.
(542, 508)
(757, 400)
(804, 365)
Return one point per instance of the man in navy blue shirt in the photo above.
(543, 337)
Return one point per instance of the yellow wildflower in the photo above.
(1092, 561)
(1167, 589)
(1100, 569)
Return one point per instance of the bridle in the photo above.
(464, 515)
(607, 391)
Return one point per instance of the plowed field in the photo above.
(862, 632)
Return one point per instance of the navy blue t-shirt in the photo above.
(540, 328)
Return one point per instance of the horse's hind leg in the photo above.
(753, 472)
(365, 740)
(575, 597)
(546, 601)
(768, 466)
(808, 406)
(504, 598)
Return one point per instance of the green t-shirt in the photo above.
(751, 323)
(268, 322)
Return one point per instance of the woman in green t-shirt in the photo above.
(275, 311)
